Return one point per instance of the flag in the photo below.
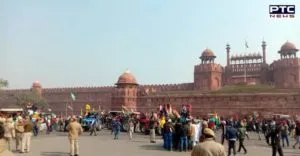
(246, 44)
(73, 96)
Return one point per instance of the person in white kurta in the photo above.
(197, 133)
(193, 134)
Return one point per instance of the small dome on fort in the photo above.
(36, 84)
(288, 46)
(127, 78)
(208, 53)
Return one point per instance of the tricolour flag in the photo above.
(246, 44)
(73, 96)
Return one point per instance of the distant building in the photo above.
(247, 69)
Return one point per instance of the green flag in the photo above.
(246, 45)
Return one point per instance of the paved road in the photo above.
(103, 144)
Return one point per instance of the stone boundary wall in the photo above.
(77, 89)
(168, 87)
(228, 104)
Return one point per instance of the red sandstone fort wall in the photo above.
(202, 104)
(227, 104)
(59, 98)
(286, 73)
(167, 87)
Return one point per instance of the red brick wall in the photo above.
(287, 73)
(228, 104)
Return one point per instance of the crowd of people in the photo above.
(183, 133)
(18, 131)
(180, 133)
(200, 136)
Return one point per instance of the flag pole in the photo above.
(66, 108)
(245, 68)
(72, 107)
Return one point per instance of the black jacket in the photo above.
(297, 131)
(177, 128)
(275, 138)
(184, 130)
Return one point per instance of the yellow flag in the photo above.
(87, 107)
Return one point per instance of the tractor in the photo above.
(89, 118)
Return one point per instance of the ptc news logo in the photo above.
(282, 11)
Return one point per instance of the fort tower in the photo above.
(208, 74)
(125, 93)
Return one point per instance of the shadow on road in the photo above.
(54, 154)
(152, 147)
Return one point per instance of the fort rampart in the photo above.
(227, 104)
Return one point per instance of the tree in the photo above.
(28, 99)
(3, 83)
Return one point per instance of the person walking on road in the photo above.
(274, 134)
(241, 137)
(26, 141)
(117, 128)
(130, 128)
(284, 131)
(231, 136)
(74, 130)
(93, 128)
(153, 124)
(223, 128)
(297, 135)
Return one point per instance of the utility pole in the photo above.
(245, 71)
(245, 62)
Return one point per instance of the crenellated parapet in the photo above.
(246, 57)
(212, 67)
(14, 91)
(168, 87)
(78, 89)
